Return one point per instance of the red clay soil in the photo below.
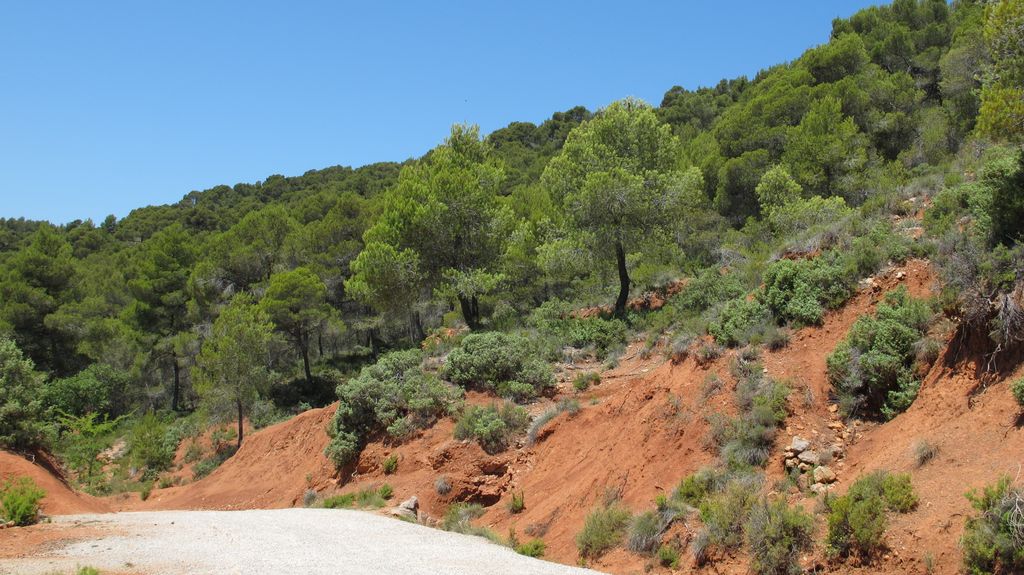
(640, 431)
(269, 471)
(60, 498)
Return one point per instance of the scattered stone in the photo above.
(412, 504)
(810, 457)
(824, 475)
(836, 425)
(802, 482)
(792, 462)
(900, 275)
(404, 513)
(833, 408)
(836, 450)
(799, 445)
(819, 488)
(804, 467)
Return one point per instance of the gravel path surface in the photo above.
(279, 542)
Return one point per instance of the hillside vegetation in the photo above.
(451, 287)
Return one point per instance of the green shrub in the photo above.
(725, 513)
(534, 548)
(150, 446)
(368, 498)
(603, 529)
(394, 396)
(776, 534)
(390, 464)
(872, 368)
(668, 556)
(492, 427)
(708, 352)
(738, 321)
(706, 290)
(857, 520)
(645, 532)
(19, 501)
(386, 492)
(208, 465)
(459, 518)
(555, 324)
(801, 290)
(991, 541)
(696, 487)
(583, 381)
(88, 571)
(343, 501)
(504, 363)
(1017, 387)
(517, 504)
(748, 439)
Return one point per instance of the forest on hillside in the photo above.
(261, 300)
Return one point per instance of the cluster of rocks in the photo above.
(814, 476)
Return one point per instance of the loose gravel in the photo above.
(279, 542)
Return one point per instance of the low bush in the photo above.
(777, 534)
(394, 396)
(583, 381)
(459, 519)
(668, 556)
(518, 503)
(386, 492)
(924, 451)
(390, 464)
(992, 541)
(708, 352)
(747, 440)
(603, 529)
(506, 364)
(555, 324)
(534, 548)
(645, 532)
(800, 291)
(725, 513)
(209, 464)
(706, 290)
(19, 501)
(150, 446)
(1017, 388)
(738, 321)
(368, 498)
(857, 520)
(492, 427)
(442, 485)
(872, 368)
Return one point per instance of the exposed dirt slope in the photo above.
(269, 471)
(643, 429)
(60, 498)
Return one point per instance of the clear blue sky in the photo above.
(109, 106)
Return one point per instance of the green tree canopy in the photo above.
(296, 301)
(620, 180)
(232, 366)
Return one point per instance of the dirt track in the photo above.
(283, 541)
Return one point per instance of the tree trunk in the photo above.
(620, 303)
(238, 403)
(304, 344)
(176, 390)
(469, 312)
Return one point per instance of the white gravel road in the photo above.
(278, 542)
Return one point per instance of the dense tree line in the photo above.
(326, 270)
